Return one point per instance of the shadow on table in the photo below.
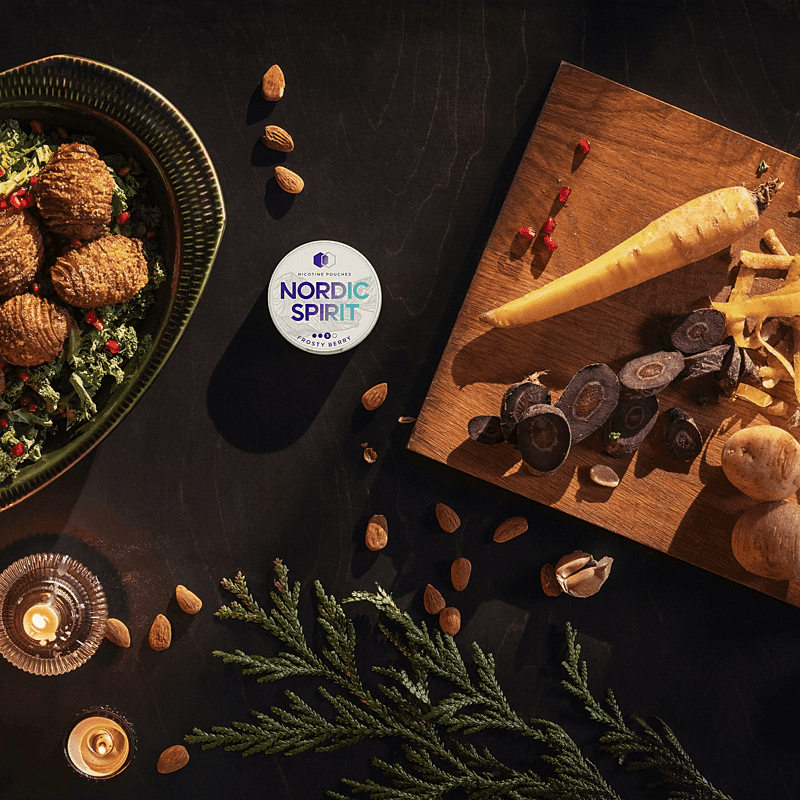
(50, 507)
(264, 393)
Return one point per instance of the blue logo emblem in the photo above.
(324, 260)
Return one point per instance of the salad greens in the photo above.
(103, 343)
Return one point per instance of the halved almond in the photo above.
(273, 84)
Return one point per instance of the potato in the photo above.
(766, 540)
(763, 462)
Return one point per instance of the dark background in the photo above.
(409, 120)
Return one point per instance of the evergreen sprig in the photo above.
(636, 750)
(430, 730)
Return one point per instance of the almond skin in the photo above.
(433, 600)
(160, 636)
(173, 759)
(373, 398)
(450, 620)
(550, 585)
(273, 83)
(510, 529)
(447, 518)
(117, 632)
(276, 138)
(188, 601)
(460, 570)
(289, 181)
(377, 535)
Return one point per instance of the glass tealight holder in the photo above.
(100, 743)
(53, 614)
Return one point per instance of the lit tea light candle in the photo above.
(41, 622)
(98, 747)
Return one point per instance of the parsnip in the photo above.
(686, 234)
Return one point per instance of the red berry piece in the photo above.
(551, 245)
(564, 193)
(549, 226)
(527, 232)
(113, 346)
(17, 450)
(123, 217)
(584, 146)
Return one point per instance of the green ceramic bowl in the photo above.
(129, 117)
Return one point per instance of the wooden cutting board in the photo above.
(646, 157)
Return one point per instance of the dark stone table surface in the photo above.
(409, 119)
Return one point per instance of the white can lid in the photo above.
(324, 297)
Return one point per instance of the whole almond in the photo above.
(450, 620)
(373, 398)
(117, 632)
(172, 759)
(433, 600)
(510, 529)
(289, 181)
(188, 601)
(550, 585)
(448, 519)
(277, 138)
(273, 83)
(460, 570)
(377, 535)
(160, 636)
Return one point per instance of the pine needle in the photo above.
(433, 733)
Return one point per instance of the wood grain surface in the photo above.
(646, 157)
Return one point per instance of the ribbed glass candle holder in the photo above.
(53, 614)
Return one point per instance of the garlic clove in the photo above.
(588, 581)
(571, 563)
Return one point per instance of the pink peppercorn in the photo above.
(527, 232)
(549, 226)
(584, 146)
(563, 194)
(551, 245)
